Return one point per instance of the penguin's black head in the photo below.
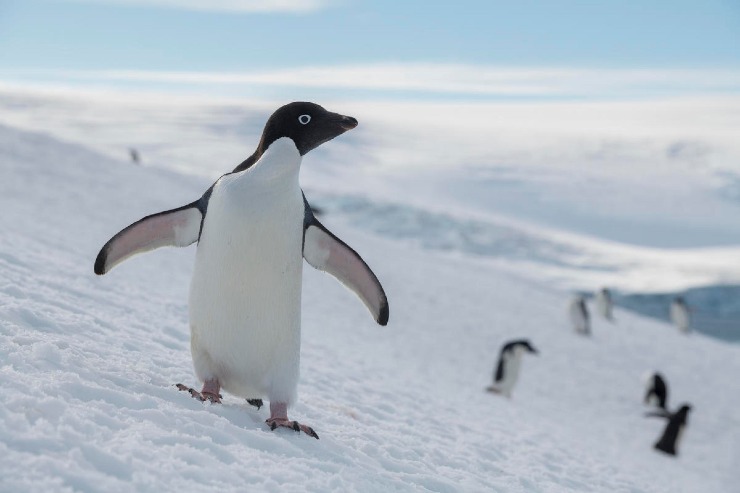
(307, 124)
(529, 347)
(522, 343)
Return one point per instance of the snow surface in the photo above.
(88, 363)
(638, 196)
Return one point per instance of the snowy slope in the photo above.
(648, 172)
(637, 196)
(88, 365)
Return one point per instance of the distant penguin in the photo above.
(135, 157)
(670, 441)
(604, 303)
(579, 315)
(680, 314)
(507, 369)
(656, 390)
(254, 228)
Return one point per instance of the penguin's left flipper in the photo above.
(327, 253)
(176, 227)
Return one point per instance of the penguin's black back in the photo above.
(508, 347)
(676, 421)
(659, 389)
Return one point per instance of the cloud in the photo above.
(244, 6)
(449, 79)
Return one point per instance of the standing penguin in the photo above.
(671, 438)
(579, 315)
(604, 303)
(680, 314)
(135, 157)
(507, 369)
(254, 227)
(656, 391)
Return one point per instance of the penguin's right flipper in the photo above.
(327, 253)
(177, 227)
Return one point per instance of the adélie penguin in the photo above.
(680, 314)
(509, 362)
(604, 303)
(670, 440)
(656, 391)
(254, 227)
(579, 315)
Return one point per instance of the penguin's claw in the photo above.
(256, 403)
(214, 398)
(273, 423)
(201, 396)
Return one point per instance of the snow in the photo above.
(639, 196)
(88, 363)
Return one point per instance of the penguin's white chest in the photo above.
(680, 317)
(245, 296)
(603, 305)
(512, 363)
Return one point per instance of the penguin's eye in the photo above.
(304, 119)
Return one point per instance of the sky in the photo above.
(388, 49)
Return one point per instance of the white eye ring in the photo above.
(304, 119)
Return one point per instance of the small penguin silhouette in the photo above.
(671, 438)
(680, 314)
(604, 304)
(656, 391)
(507, 369)
(135, 157)
(579, 315)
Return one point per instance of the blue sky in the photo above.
(74, 41)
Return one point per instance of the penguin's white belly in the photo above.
(245, 296)
(511, 374)
(680, 318)
(580, 324)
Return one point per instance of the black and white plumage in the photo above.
(254, 228)
(579, 316)
(508, 366)
(656, 391)
(669, 442)
(605, 304)
(680, 314)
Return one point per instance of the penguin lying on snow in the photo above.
(507, 370)
(254, 227)
(671, 438)
(656, 392)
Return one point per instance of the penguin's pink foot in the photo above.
(210, 391)
(279, 418)
(274, 423)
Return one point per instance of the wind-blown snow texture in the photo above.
(88, 364)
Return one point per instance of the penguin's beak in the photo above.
(347, 122)
(533, 350)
